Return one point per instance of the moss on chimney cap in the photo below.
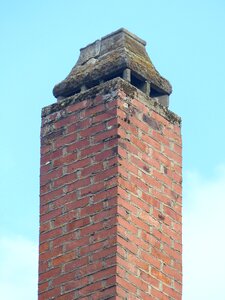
(108, 58)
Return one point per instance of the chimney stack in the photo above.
(111, 179)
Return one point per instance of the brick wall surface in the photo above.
(110, 208)
(149, 261)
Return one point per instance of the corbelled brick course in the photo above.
(110, 213)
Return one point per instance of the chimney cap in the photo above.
(108, 58)
(125, 31)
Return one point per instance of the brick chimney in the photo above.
(110, 199)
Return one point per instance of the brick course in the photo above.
(110, 210)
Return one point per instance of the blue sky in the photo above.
(40, 42)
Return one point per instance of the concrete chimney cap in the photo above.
(108, 58)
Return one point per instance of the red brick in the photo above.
(103, 274)
(58, 261)
(80, 144)
(123, 223)
(100, 137)
(105, 214)
(78, 164)
(105, 154)
(52, 195)
(50, 293)
(126, 285)
(104, 174)
(73, 265)
(93, 130)
(159, 256)
(90, 288)
(138, 143)
(172, 292)
(156, 294)
(141, 284)
(161, 276)
(47, 236)
(92, 169)
(43, 287)
(90, 151)
(75, 243)
(128, 245)
(77, 106)
(77, 224)
(54, 252)
(78, 126)
(79, 183)
(44, 247)
(49, 274)
(65, 179)
(51, 156)
(64, 160)
(66, 296)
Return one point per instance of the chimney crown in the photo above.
(119, 54)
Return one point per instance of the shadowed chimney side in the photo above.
(110, 198)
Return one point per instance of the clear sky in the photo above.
(39, 44)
